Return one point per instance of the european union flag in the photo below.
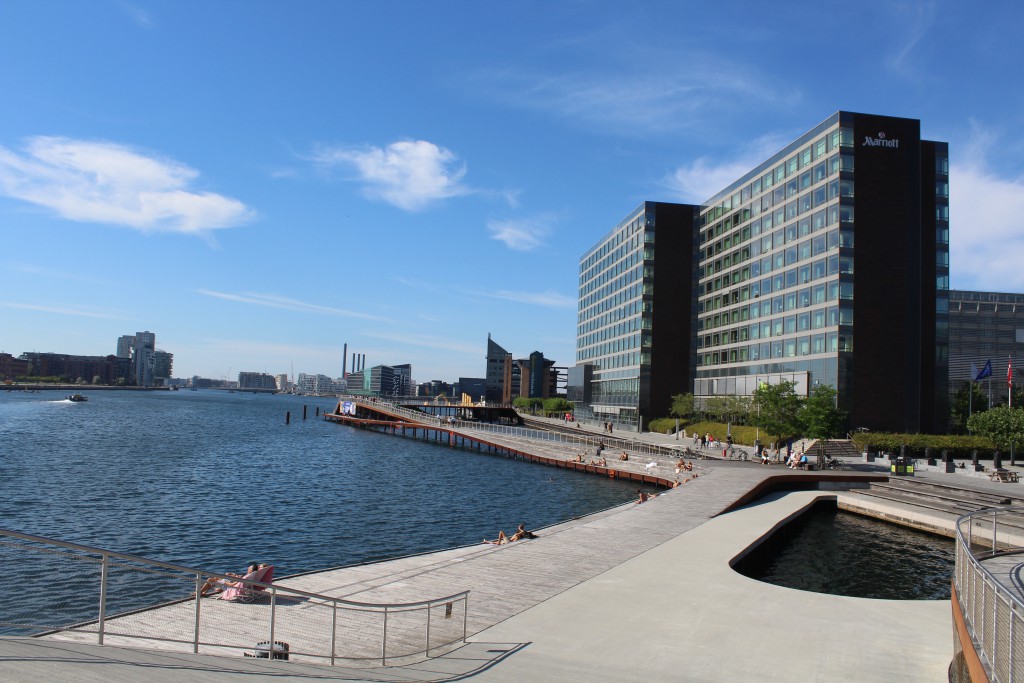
(985, 371)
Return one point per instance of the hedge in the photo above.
(958, 446)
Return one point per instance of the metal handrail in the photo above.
(992, 612)
(272, 590)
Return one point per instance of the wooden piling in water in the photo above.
(288, 417)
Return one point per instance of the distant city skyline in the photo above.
(260, 187)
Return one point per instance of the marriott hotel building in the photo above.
(827, 264)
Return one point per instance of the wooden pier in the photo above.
(402, 421)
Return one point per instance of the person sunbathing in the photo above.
(215, 585)
(502, 539)
(521, 533)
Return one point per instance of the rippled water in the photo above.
(214, 480)
(830, 551)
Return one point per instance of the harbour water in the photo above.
(215, 479)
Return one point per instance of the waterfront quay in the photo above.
(636, 592)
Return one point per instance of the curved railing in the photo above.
(989, 589)
(585, 441)
(66, 590)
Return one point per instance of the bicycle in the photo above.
(831, 463)
(731, 452)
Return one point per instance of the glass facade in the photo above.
(613, 325)
(776, 267)
(985, 326)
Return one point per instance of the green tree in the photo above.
(969, 399)
(96, 379)
(1003, 425)
(776, 409)
(557, 405)
(682, 406)
(819, 416)
(527, 404)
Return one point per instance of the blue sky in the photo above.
(261, 182)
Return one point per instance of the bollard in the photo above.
(928, 456)
(948, 462)
(997, 461)
(974, 460)
(288, 417)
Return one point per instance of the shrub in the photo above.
(958, 446)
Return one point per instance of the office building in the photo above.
(634, 328)
(826, 264)
(257, 380)
(983, 327)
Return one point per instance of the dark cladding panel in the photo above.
(673, 344)
(888, 273)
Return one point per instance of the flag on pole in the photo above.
(985, 371)
(974, 371)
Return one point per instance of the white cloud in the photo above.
(275, 301)
(550, 299)
(642, 92)
(701, 179)
(61, 310)
(521, 235)
(410, 174)
(103, 182)
(986, 239)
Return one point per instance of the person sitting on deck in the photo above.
(644, 497)
(624, 456)
(600, 462)
(502, 539)
(215, 585)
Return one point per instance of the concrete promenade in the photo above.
(639, 592)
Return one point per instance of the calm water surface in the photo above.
(829, 551)
(214, 480)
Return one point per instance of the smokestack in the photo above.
(344, 360)
(362, 361)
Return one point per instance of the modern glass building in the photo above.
(985, 326)
(828, 264)
(634, 323)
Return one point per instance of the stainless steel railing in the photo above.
(66, 590)
(990, 590)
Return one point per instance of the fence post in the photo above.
(334, 630)
(427, 653)
(199, 601)
(273, 615)
(104, 569)
(384, 640)
(993, 532)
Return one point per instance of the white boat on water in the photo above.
(77, 398)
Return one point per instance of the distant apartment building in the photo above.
(256, 380)
(381, 380)
(11, 367)
(315, 385)
(70, 368)
(141, 349)
(507, 378)
(282, 383)
(163, 366)
(472, 386)
(434, 388)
